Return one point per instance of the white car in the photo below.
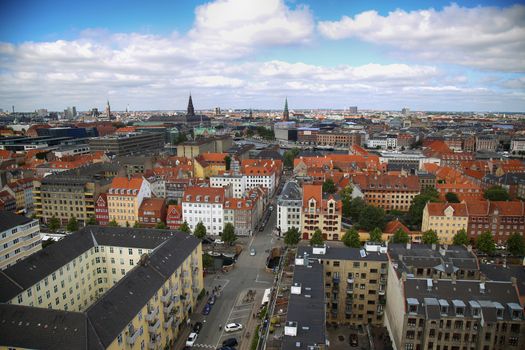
(191, 339)
(218, 241)
(252, 251)
(232, 327)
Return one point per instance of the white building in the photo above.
(289, 204)
(19, 238)
(206, 205)
(382, 141)
(238, 183)
(517, 145)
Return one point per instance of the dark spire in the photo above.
(286, 114)
(190, 110)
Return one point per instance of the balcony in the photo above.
(152, 315)
(152, 344)
(155, 327)
(166, 296)
(168, 323)
(167, 309)
(336, 279)
(350, 291)
(131, 338)
(380, 311)
(350, 280)
(381, 292)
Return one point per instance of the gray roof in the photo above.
(101, 323)
(336, 252)
(308, 312)
(500, 273)
(9, 220)
(291, 191)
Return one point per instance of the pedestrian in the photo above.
(207, 292)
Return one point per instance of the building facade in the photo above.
(446, 219)
(206, 205)
(128, 144)
(320, 211)
(19, 238)
(125, 197)
(289, 205)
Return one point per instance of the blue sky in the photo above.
(240, 54)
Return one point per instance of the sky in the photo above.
(149, 55)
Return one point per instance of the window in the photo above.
(131, 262)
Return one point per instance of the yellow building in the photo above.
(125, 197)
(19, 238)
(103, 288)
(446, 219)
(209, 164)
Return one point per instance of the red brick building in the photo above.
(152, 211)
(174, 216)
(101, 210)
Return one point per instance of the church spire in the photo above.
(191, 110)
(286, 114)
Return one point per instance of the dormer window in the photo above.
(443, 306)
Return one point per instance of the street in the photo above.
(249, 273)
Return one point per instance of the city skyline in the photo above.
(436, 55)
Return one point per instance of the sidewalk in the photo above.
(246, 342)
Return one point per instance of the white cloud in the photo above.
(481, 37)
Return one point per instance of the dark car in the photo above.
(225, 348)
(207, 309)
(230, 342)
(197, 327)
(353, 340)
(211, 300)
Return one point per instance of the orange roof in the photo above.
(394, 225)
(387, 182)
(174, 211)
(312, 191)
(196, 194)
(153, 204)
(239, 204)
(135, 183)
(4, 154)
(438, 209)
(126, 129)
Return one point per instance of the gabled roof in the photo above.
(438, 209)
(394, 225)
(134, 183)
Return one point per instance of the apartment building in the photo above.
(243, 213)
(101, 209)
(128, 144)
(125, 197)
(152, 212)
(71, 193)
(209, 164)
(339, 139)
(446, 219)
(390, 192)
(235, 180)
(206, 205)
(289, 205)
(214, 144)
(355, 282)
(103, 288)
(22, 191)
(517, 145)
(19, 238)
(320, 211)
(486, 143)
(174, 216)
(7, 201)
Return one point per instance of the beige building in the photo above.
(103, 288)
(320, 211)
(355, 283)
(446, 219)
(124, 198)
(215, 144)
(19, 238)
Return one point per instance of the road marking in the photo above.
(209, 346)
(222, 329)
(257, 280)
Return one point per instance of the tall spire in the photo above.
(191, 110)
(286, 114)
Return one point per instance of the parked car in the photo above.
(354, 340)
(252, 251)
(211, 300)
(230, 342)
(197, 327)
(232, 327)
(218, 241)
(191, 339)
(206, 310)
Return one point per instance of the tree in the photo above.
(415, 212)
(289, 157)
(127, 224)
(329, 186)
(351, 238)
(376, 235)
(172, 202)
(400, 236)
(356, 206)
(53, 224)
(227, 162)
(485, 243)
(161, 226)
(516, 244)
(451, 197)
(317, 238)
(430, 237)
(460, 238)
(292, 236)
(113, 223)
(228, 234)
(91, 221)
(200, 230)
(136, 225)
(496, 193)
(371, 217)
(185, 227)
(72, 224)
(346, 198)
(207, 260)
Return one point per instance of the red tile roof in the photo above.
(394, 225)
(438, 209)
(196, 194)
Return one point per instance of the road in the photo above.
(249, 273)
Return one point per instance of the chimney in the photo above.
(514, 281)
(453, 278)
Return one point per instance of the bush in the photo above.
(255, 339)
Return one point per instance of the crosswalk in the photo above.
(204, 346)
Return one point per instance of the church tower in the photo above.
(286, 114)
(191, 110)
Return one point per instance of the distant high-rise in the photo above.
(108, 110)
(217, 110)
(405, 111)
(352, 110)
(286, 114)
(94, 112)
(190, 111)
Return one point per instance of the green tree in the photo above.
(200, 230)
(53, 224)
(415, 212)
(451, 197)
(371, 217)
(516, 244)
(485, 243)
(185, 227)
(113, 223)
(127, 224)
(460, 238)
(355, 207)
(317, 238)
(351, 238)
(72, 224)
(346, 198)
(91, 221)
(496, 193)
(292, 236)
(228, 234)
(329, 186)
(207, 260)
(376, 235)
(161, 226)
(136, 225)
(400, 236)
(430, 237)
(227, 162)
(289, 157)
(172, 202)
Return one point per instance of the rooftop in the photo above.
(8, 220)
